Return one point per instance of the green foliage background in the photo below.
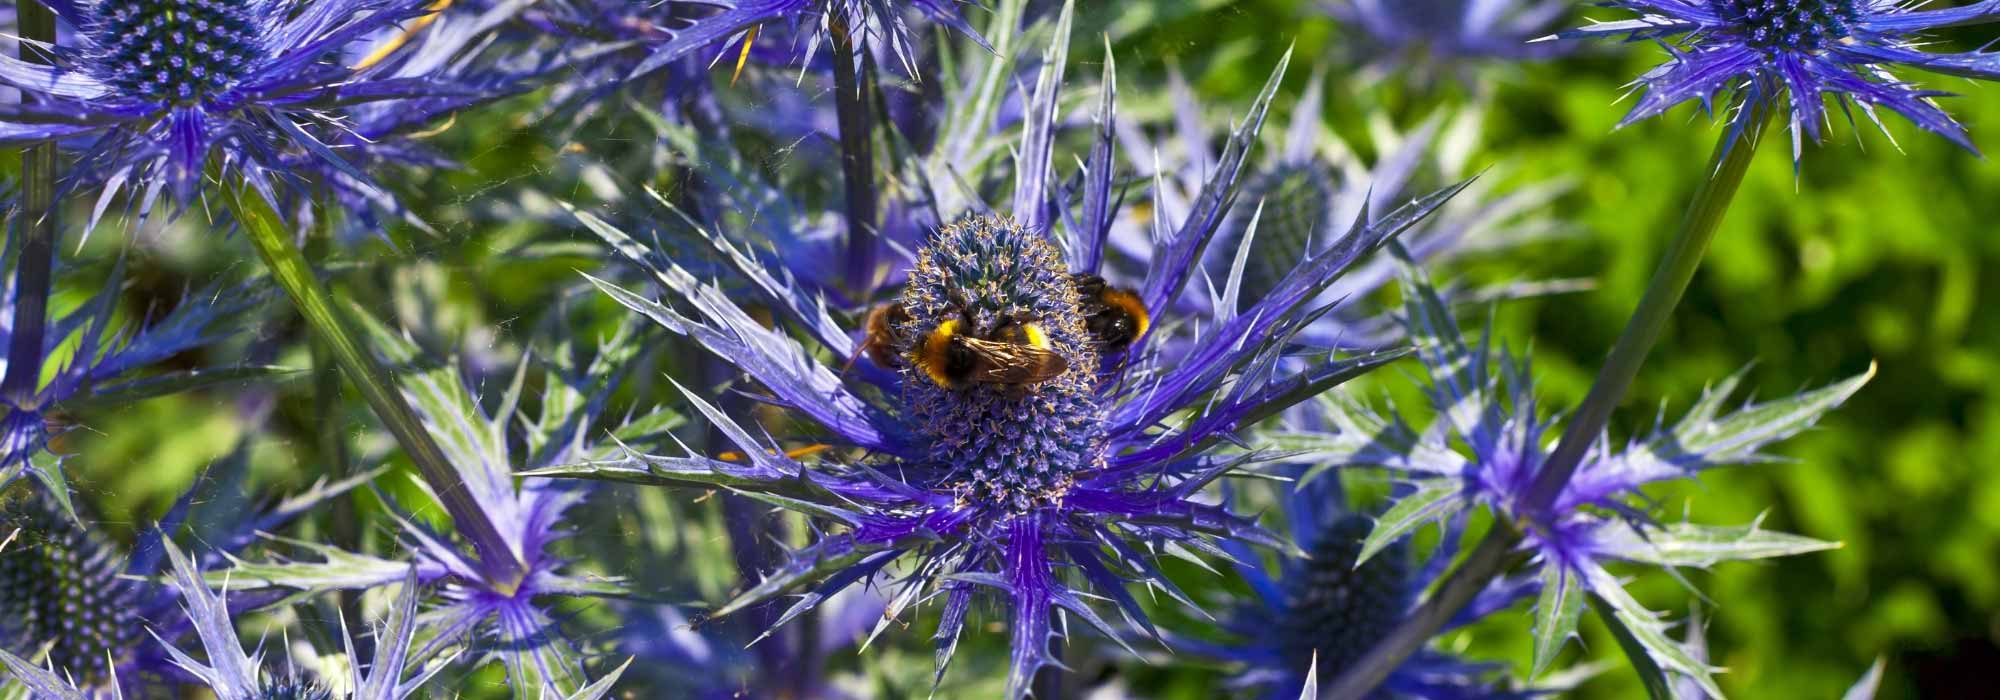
(1860, 254)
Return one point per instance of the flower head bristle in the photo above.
(60, 585)
(177, 51)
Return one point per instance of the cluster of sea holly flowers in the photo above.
(990, 382)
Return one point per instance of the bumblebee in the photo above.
(1014, 354)
(885, 335)
(1115, 317)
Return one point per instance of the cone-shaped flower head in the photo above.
(60, 585)
(1008, 418)
(97, 608)
(1491, 443)
(152, 89)
(1325, 609)
(1804, 52)
(1433, 36)
(1013, 444)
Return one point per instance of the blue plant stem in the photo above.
(267, 230)
(33, 272)
(857, 156)
(1670, 280)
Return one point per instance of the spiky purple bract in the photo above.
(1804, 52)
(1599, 518)
(155, 91)
(1024, 491)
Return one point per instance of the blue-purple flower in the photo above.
(234, 674)
(66, 587)
(507, 619)
(813, 22)
(1806, 53)
(1314, 185)
(1318, 614)
(1435, 35)
(1489, 443)
(1043, 483)
(108, 367)
(154, 91)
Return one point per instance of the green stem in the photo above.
(1727, 167)
(33, 273)
(265, 229)
(344, 519)
(1490, 558)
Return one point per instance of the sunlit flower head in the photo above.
(100, 609)
(1797, 56)
(1008, 427)
(1435, 36)
(153, 91)
(1490, 443)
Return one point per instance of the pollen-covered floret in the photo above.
(1014, 444)
(175, 50)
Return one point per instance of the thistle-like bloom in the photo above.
(66, 585)
(107, 368)
(1436, 35)
(154, 89)
(1320, 613)
(506, 617)
(1313, 186)
(1805, 52)
(865, 22)
(234, 674)
(1014, 421)
(1598, 518)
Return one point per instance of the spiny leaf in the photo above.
(1636, 651)
(1702, 546)
(1557, 613)
(1435, 499)
(1644, 636)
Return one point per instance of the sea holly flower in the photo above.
(234, 674)
(1084, 453)
(509, 620)
(152, 90)
(1488, 445)
(1320, 613)
(1312, 185)
(863, 22)
(1433, 36)
(1804, 53)
(108, 367)
(66, 587)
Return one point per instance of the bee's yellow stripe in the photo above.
(931, 357)
(1036, 336)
